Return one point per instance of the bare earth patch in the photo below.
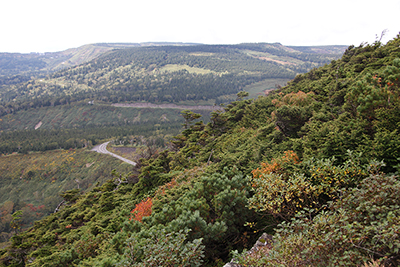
(38, 125)
(89, 164)
(277, 61)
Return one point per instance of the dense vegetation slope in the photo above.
(314, 163)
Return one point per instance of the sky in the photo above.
(56, 25)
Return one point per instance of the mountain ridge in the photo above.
(75, 56)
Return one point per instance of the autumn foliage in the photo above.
(296, 99)
(278, 190)
(277, 165)
(141, 210)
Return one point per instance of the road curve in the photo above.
(103, 149)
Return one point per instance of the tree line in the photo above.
(24, 141)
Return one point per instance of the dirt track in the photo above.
(172, 106)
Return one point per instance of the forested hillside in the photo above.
(42, 109)
(33, 64)
(315, 164)
(213, 73)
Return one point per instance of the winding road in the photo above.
(103, 149)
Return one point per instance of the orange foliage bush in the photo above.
(141, 210)
(297, 99)
(279, 190)
(276, 165)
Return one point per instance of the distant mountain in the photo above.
(42, 63)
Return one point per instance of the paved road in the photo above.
(103, 149)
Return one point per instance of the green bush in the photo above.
(160, 248)
(361, 226)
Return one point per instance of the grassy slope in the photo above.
(33, 183)
(33, 178)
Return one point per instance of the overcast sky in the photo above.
(56, 25)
